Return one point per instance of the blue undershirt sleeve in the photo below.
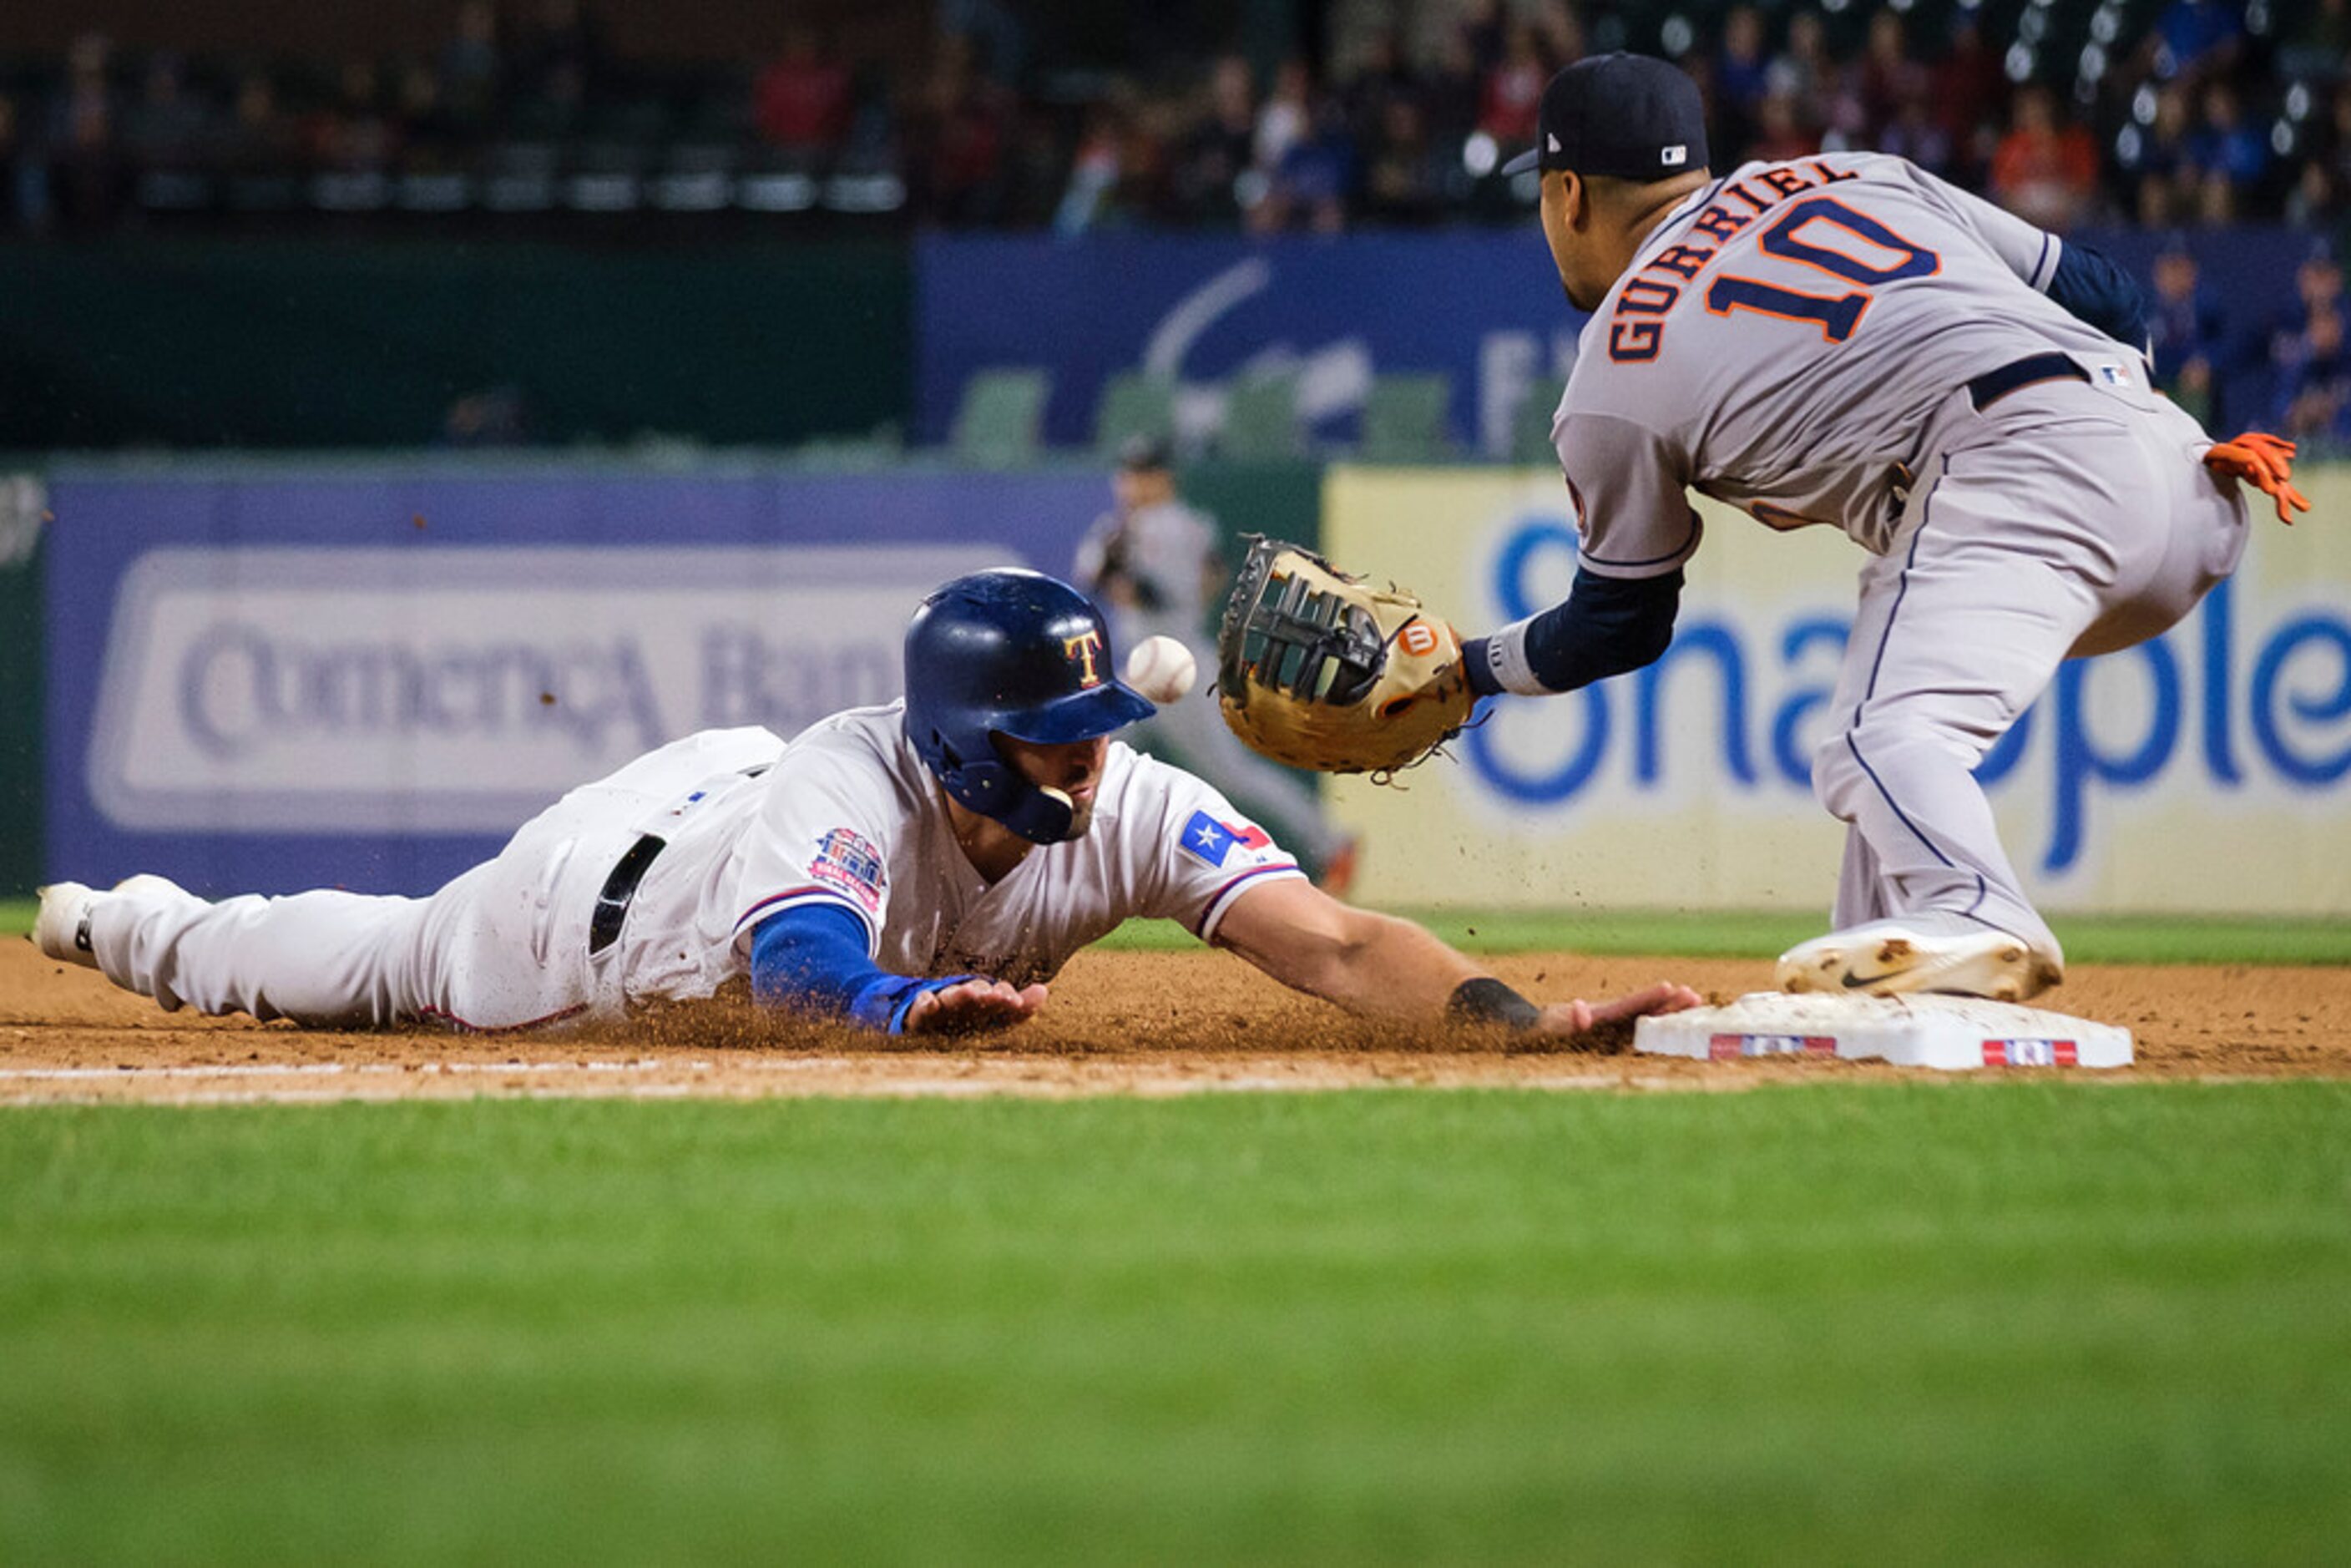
(812, 959)
(2096, 292)
(1605, 627)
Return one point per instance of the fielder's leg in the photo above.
(1861, 892)
(2062, 527)
(1961, 625)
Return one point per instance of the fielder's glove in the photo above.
(1317, 670)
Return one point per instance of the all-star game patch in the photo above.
(1210, 842)
(846, 861)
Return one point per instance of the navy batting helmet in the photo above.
(1017, 653)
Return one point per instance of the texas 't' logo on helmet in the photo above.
(1083, 651)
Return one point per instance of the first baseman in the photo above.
(925, 865)
(1846, 340)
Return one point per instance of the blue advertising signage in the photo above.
(1484, 307)
(270, 678)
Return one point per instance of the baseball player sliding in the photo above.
(1842, 340)
(923, 866)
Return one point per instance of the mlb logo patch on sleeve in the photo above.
(1210, 842)
(845, 861)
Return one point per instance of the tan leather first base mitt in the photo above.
(1317, 669)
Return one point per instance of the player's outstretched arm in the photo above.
(813, 960)
(1607, 626)
(1385, 968)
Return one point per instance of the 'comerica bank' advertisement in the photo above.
(2207, 770)
(272, 676)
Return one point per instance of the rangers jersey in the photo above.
(848, 815)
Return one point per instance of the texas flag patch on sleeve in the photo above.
(1211, 841)
(847, 863)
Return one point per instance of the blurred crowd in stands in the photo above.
(2161, 111)
(2165, 113)
(2199, 344)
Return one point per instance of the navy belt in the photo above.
(612, 903)
(1993, 385)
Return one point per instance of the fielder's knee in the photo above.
(1885, 752)
(1835, 772)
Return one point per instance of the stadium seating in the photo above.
(1261, 418)
(996, 425)
(1405, 419)
(1133, 403)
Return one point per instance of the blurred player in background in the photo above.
(1153, 563)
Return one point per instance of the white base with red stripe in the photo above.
(1953, 1033)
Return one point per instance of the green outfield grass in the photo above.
(2089, 940)
(2019, 1321)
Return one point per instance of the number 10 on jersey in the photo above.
(1836, 315)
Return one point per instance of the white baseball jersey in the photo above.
(850, 816)
(846, 816)
(1782, 342)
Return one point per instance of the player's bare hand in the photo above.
(1580, 1017)
(973, 1008)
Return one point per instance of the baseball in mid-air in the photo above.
(1161, 668)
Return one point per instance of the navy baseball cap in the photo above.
(1145, 454)
(1632, 117)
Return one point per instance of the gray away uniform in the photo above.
(1838, 340)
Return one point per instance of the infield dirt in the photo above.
(1119, 1023)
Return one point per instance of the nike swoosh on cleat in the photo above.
(1855, 982)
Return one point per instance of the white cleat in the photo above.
(1933, 951)
(61, 929)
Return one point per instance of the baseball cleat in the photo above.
(61, 929)
(1933, 951)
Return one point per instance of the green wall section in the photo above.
(320, 344)
(1282, 500)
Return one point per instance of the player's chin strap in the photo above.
(996, 791)
(2264, 462)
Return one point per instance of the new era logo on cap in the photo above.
(1629, 117)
